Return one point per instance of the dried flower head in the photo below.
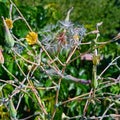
(9, 23)
(62, 38)
(32, 38)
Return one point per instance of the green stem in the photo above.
(94, 80)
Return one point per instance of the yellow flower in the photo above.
(9, 23)
(32, 38)
(76, 37)
(96, 59)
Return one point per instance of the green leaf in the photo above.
(13, 112)
(26, 99)
(48, 83)
(7, 90)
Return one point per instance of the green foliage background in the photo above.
(40, 14)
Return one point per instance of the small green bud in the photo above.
(9, 41)
(96, 59)
(13, 112)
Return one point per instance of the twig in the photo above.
(11, 82)
(24, 58)
(19, 67)
(10, 73)
(106, 110)
(44, 88)
(19, 18)
(59, 82)
(71, 54)
(43, 48)
(18, 104)
(21, 15)
(29, 117)
(99, 76)
(107, 85)
(101, 44)
(77, 79)
(75, 98)
(10, 12)
(87, 102)
(95, 118)
(37, 97)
